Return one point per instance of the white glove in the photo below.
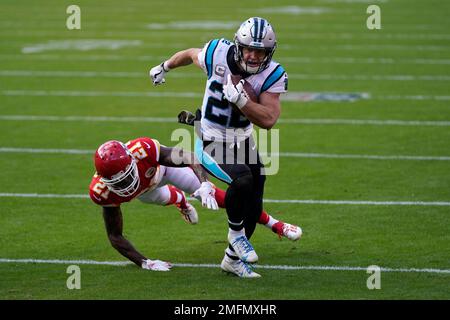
(206, 193)
(235, 93)
(157, 73)
(156, 265)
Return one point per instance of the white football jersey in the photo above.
(219, 121)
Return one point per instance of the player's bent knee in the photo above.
(243, 184)
(240, 170)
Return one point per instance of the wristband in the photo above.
(165, 66)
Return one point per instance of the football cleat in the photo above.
(290, 231)
(243, 249)
(238, 267)
(189, 214)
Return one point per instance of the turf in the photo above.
(335, 42)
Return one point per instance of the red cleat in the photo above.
(290, 231)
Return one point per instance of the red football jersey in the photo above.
(146, 153)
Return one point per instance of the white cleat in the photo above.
(243, 249)
(238, 267)
(189, 214)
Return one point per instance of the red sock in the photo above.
(220, 197)
(263, 218)
(278, 228)
(175, 194)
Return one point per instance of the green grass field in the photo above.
(391, 147)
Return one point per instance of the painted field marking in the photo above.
(143, 74)
(281, 154)
(289, 201)
(302, 59)
(65, 93)
(217, 266)
(318, 121)
(290, 96)
(80, 44)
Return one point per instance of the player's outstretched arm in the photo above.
(179, 59)
(114, 225)
(176, 157)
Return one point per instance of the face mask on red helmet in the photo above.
(117, 167)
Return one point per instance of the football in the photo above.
(247, 87)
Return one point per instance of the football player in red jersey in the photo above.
(142, 169)
(152, 173)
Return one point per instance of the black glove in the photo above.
(187, 117)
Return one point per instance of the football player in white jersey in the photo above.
(228, 115)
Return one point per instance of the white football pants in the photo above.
(182, 178)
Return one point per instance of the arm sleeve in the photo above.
(206, 56)
(201, 58)
(281, 86)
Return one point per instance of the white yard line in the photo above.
(202, 29)
(143, 74)
(45, 151)
(373, 122)
(79, 93)
(373, 47)
(281, 154)
(353, 60)
(358, 122)
(412, 97)
(369, 77)
(216, 266)
(302, 59)
(65, 93)
(42, 195)
(80, 44)
(137, 25)
(287, 201)
(359, 156)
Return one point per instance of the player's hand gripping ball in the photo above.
(246, 90)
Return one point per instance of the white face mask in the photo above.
(249, 69)
(125, 184)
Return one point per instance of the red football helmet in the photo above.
(117, 167)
